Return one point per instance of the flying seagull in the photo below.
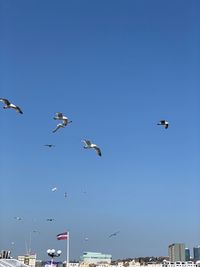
(10, 105)
(49, 145)
(61, 117)
(88, 144)
(114, 234)
(164, 123)
(54, 189)
(18, 218)
(64, 119)
(50, 219)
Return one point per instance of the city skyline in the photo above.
(115, 69)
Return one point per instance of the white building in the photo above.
(95, 258)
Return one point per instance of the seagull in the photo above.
(10, 105)
(64, 119)
(50, 219)
(18, 218)
(164, 123)
(60, 116)
(114, 234)
(54, 189)
(88, 144)
(49, 145)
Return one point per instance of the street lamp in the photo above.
(52, 253)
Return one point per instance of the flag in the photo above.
(62, 236)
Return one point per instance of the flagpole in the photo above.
(67, 243)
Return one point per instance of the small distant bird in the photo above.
(164, 123)
(88, 144)
(36, 231)
(65, 194)
(114, 234)
(54, 189)
(10, 105)
(49, 145)
(18, 218)
(50, 219)
(86, 238)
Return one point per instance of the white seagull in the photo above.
(64, 119)
(18, 218)
(60, 116)
(10, 105)
(88, 144)
(54, 189)
(164, 123)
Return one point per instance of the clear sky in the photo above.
(115, 68)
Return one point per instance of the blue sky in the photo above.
(115, 68)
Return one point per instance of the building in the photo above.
(28, 260)
(176, 252)
(5, 254)
(179, 264)
(187, 254)
(196, 252)
(95, 258)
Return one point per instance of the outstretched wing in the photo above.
(163, 122)
(60, 125)
(98, 150)
(87, 142)
(59, 116)
(18, 110)
(5, 101)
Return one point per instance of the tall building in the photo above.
(196, 252)
(176, 252)
(187, 254)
